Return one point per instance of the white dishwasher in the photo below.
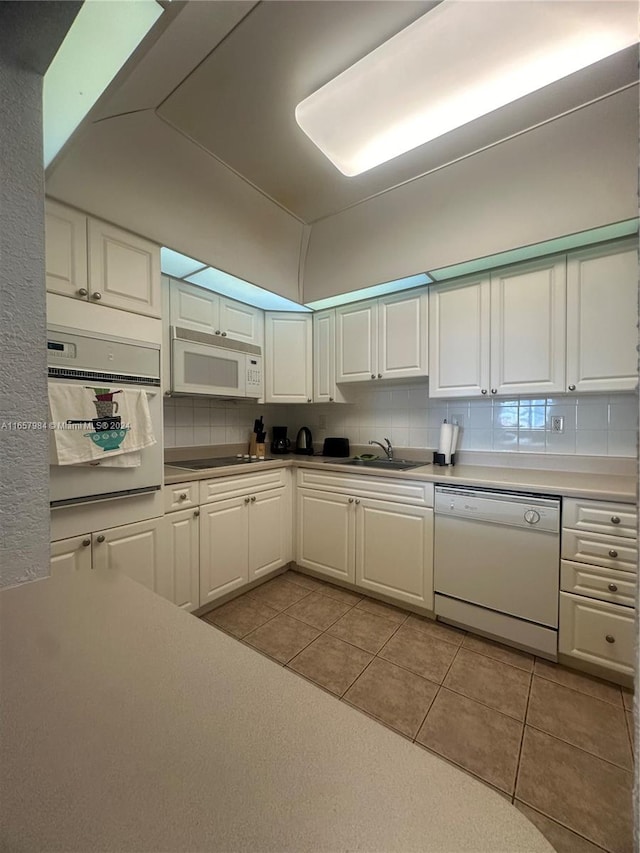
(496, 565)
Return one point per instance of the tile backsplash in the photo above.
(592, 425)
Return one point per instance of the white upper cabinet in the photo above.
(383, 338)
(459, 342)
(193, 307)
(92, 260)
(602, 309)
(288, 358)
(528, 328)
(325, 389)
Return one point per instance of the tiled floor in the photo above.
(554, 741)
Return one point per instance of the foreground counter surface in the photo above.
(564, 483)
(129, 725)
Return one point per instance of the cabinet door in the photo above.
(528, 328)
(193, 307)
(459, 343)
(241, 322)
(288, 358)
(357, 342)
(269, 532)
(183, 557)
(325, 389)
(138, 550)
(71, 555)
(394, 551)
(602, 313)
(124, 270)
(403, 335)
(597, 632)
(224, 553)
(65, 250)
(325, 534)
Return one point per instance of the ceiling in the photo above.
(226, 77)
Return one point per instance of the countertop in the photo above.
(130, 725)
(564, 483)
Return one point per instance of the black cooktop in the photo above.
(217, 462)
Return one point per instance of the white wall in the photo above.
(576, 173)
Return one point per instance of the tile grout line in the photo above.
(563, 825)
(440, 686)
(582, 749)
(524, 726)
(575, 690)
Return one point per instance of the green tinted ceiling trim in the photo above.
(395, 286)
(548, 247)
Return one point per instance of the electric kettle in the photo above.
(304, 441)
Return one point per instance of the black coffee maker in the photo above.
(279, 441)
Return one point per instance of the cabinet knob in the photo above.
(484, 391)
(613, 553)
(615, 519)
(572, 387)
(610, 638)
(350, 500)
(182, 496)
(82, 291)
(97, 296)
(246, 500)
(253, 499)
(308, 399)
(224, 334)
(196, 513)
(373, 376)
(379, 376)
(331, 399)
(357, 501)
(613, 587)
(86, 542)
(494, 390)
(217, 332)
(100, 538)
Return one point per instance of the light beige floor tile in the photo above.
(627, 698)
(498, 685)
(586, 722)
(344, 595)
(303, 580)
(395, 614)
(391, 694)
(330, 662)
(579, 681)
(562, 839)
(318, 610)
(498, 652)
(477, 738)
(363, 629)
(434, 629)
(582, 792)
(420, 652)
(282, 638)
(278, 593)
(240, 616)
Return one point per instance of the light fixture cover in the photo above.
(459, 61)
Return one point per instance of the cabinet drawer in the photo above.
(600, 517)
(612, 552)
(365, 486)
(230, 487)
(598, 632)
(595, 582)
(181, 496)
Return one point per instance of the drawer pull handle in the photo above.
(196, 513)
(613, 587)
(86, 542)
(246, 500)
(253, 499)
(350, 500)
(613, 553)
(100, 538)
(357, 501)
(182, 496)
(615, 519)
(610, 638)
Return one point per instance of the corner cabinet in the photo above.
(91, 260)
(325, 389)
(383, 338)
(288, 371)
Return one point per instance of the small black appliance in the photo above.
(304, 442)
(279, 441)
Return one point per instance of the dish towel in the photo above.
(105, 426)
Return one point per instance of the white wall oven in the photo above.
(214, 366)
(76, 357)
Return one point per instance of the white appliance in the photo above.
(214, 366)
(497, 559)
(82, 357)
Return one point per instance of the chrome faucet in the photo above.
(388, 449)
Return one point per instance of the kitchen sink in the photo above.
(388, 464)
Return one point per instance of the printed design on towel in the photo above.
(108, 431)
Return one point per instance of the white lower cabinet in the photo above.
(139, 551)
(382, 545)
(224, 553)
(71, 555)
(597, 632)
(183, 556)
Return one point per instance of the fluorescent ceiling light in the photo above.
(369, 292)
(178, 265)
(460, 61)
(102, 37)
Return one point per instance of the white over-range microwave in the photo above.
(214, 366)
